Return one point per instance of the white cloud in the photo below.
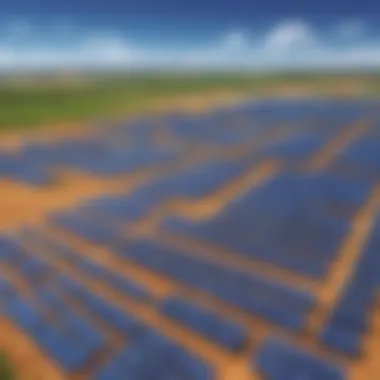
(96, 52)
(326, 58)
(109, 50)
(367, 56)
(290, 44)
(290, 34)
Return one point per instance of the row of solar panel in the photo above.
(350, 318)
(104, 156)
(360, 159)
(215, 129)
(294, 149)
(212, 326)
(234, 123)
(224, 332)
(33, 269)
(195, 182)
(222, 125)
(215, 328)
(77, 342)
(34, 163)
(267, 299)
(277, 360)
(279, 304)
(71, 344)
(170, 267)
(242, 126)
(293, 221)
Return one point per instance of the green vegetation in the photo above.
(49, 101)
(6, 372)
(33, 101)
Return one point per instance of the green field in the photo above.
(5, 370)
(27, 102)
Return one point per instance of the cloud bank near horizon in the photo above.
(290, 44)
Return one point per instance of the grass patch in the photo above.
(33, 101)
(103, 97)
(6, 372)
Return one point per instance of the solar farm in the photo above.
(240, 243)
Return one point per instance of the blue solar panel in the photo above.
(218, 128)
(277, 360)
(145, 345)
(69, 286)
(50, 301)
(10, 252)
(131, 146)
(294, 221)
(69, 322)
(360, 159)
(166, 359)
(195, 182)
(127, 207)
(6, 291)
(98, 156)
(109, 313)
(204, 179)
(125, 161)
(126, 286)
(290, 221)
(349, 320)
(56, 248)
(275, 302)
(70, 355)
(122, 284)
(140, 133)
(341, 339)
(98, 232)
(25, 171)
(363, 151)
(110, 371)
(191, 367)
(81, 331)
(22, 314)
(297, 147)
(214, 327)
(34, 269)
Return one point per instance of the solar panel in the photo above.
(279, 304)
(277, 360)
(349, 320)
(295, 222)
(289, 221)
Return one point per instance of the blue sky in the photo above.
(239, 8)
(189, 34)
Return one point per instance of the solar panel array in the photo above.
(205, 267)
